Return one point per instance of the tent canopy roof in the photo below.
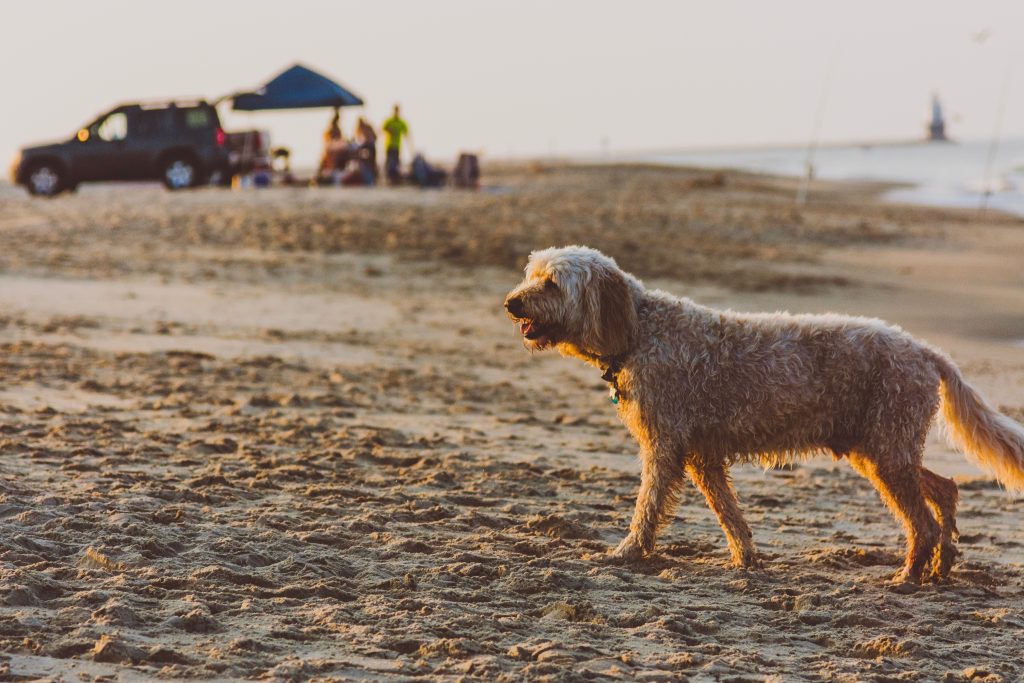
(296, 88)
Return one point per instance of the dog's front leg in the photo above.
(656, 501)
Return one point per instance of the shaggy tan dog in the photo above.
(702, 389)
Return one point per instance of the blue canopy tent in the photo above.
(296, 88)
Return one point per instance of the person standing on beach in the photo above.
(367, 137)
(395, 129)
(334, 143)
(333, 132)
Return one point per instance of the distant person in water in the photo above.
(395, 129)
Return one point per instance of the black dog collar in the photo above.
(611, 375)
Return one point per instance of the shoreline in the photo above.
(952, 174)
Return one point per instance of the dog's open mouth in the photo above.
(535, 333)
(530, 329)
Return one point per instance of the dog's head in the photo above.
(574, 295)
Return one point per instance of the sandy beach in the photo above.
(290, 435)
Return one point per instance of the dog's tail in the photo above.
(992, 439)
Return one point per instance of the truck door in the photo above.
(100, 154)
(155, 131)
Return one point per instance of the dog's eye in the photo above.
(550, 284)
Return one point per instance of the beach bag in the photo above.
(427, 175)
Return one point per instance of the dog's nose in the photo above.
(514, 305)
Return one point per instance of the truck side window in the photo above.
(197, 118)
(155, 122)
(114, 127)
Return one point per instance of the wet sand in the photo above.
(289, 435)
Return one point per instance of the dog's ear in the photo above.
(616, 314)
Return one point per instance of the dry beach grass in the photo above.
(290, 435)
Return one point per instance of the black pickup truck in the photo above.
(179, 143)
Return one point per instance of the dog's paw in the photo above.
(944, 556)
(905, 581)
(749, 560)
(902, 586)
(628, 551)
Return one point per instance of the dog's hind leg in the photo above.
(942, 496)
(899, 485)
(714, 482)
(656, 501)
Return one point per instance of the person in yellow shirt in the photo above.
(395, 129)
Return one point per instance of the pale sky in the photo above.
(529, 77)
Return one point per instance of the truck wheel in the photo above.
(180, 173)
(45, 180)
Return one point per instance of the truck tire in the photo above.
(45, 179)
(180, 172)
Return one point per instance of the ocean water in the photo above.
(938, 174)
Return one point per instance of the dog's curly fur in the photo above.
(702, 389)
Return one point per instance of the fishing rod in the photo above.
(993, 145)
(812, 148)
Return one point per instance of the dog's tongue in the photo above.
(526, 328)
